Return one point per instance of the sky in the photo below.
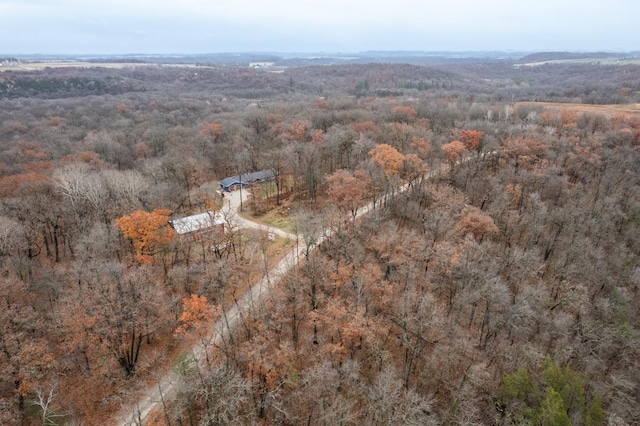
(211, 26)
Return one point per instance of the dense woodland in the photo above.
(502, 287)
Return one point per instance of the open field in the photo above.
(631, 109)
(599, 61)
(38, 66)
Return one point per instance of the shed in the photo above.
(233, 183)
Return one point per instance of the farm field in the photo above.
(607, 110)
(39, 66)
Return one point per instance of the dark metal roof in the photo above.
(246, 178)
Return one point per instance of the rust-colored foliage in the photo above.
(322, 103)
(403, 113)
(525, 152)
(88, 157)
(422, 147)
(149, 232)
(348, 190)
(57, 121)
(563, 121)
(316, 136)
(365, 126)
(196, 318)
(35, 361)
(298, 131)
(213, 130)
(454, 152)
(8, 184)
(26, 358)
(471, 139)
(35, 155)
(343, 329)
(516, 194)
(388, 158)
(14, 126)
(568, 118)
(549, 119)
(142, 150)
(412, 168)
(268, 360)
(618, 119)
(38, 167)
(473, 221)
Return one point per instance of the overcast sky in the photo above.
(207, 26)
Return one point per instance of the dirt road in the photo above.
(232, 205)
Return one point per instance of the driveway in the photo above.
(231, 208)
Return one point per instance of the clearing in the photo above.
(609, 110)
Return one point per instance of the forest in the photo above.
(493, 280)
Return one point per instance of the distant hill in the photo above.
(295, 59)
(559, 56)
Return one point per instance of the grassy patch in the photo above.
(277, 216)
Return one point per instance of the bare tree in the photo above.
(125, 307)
(44, 401)
(389, 403)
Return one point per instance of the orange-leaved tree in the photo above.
(196, 322)
(349, 190)
(149, 231)
(298, 131)
(365, 126)
(388, 158)
(403, 114)
(213, 130)
(475, 222)
(454, 152)
(196, 318)
(471, 139)
(412, 168)
(524, 152)
(422, 147)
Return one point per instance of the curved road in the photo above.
(232, 205)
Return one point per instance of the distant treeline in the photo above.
(558, 56)
(45, 86)
(557, 82)
(117, 61)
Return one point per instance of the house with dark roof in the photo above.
(233, 183)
